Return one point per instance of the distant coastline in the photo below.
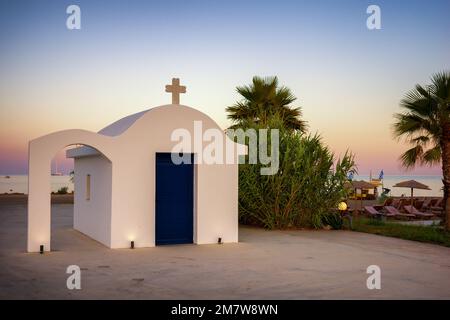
(19, 184)
(12, 199)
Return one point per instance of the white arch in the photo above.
(40, 154)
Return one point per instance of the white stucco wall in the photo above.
(132, 154)
(217, 206)
(93, 216)
(216, 187)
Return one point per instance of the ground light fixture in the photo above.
(41, 249)
(132, 245)
(219, 240)
(342, 206)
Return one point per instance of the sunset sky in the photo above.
(348, 79)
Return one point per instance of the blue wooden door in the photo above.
(174, 201)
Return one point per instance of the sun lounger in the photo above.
(395, 203)
(388, 202)
(427, 204)
(417, 213)
(372, 211)
(394, 211)
(438, 206)
(419, 204)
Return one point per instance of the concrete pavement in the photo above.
(264, 265)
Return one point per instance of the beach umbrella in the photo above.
(361, 184)
(412, 184)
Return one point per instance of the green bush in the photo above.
(63, 190)
(309, 182)
(334, 220)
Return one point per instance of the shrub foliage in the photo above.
(63, 190)
(307, 186)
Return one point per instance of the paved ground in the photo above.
(264, 265)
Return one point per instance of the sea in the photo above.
(434, 182)
(19, 184)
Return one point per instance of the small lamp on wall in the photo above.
(41, 249)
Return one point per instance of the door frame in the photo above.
(194, 195)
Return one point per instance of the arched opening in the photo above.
(81, 198)
(41, 153)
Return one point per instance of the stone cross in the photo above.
(175, 89)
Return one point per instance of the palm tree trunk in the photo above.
(445, 148)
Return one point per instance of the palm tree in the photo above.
(425, 124)
(262, 100)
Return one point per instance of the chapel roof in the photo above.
(120, 126)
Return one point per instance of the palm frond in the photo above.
(412, 156)
(432, 156)
(422, 140)
(419, 102)
(425, 120)
(441, 87)
(264, 99)
(408, 124)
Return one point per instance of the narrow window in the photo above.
(88, 187)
